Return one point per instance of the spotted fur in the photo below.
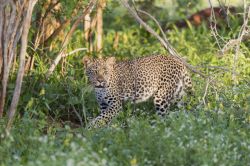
(163, 78)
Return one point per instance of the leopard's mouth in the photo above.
(100, 85)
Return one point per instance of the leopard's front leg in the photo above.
(106, 115)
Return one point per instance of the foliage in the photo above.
(213, 131)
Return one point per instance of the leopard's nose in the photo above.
(99, 78)
(100, 81)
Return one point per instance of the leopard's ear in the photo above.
(111, 61)
(86, 60)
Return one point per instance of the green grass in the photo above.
(183, 138)
(48, 131)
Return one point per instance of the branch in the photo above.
(209, 82)
(74, 51)
(48, 10)
(163, 40)
(205, 92)
(232, 43)
(213, 25)
(157, 23)
(87, 10)
(40, 29)
(57, 31)
(78, 115)
(214, 67)
(244, 34)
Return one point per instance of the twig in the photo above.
(232, 43)
(244, 34)
(214, 67)
(205, 93)
(157, 23)
(63, 55)
(74, 51)
(163, 40)
(78, 115)
(209, 81)
(222, 5)
(214, 27)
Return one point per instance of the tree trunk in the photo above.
(99, 26)
(14, 17)
(116, 40)
(10, 19)
(26, 26)
(87, 23)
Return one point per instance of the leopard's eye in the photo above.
(91, 72)
(105, 72)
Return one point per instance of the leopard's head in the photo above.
(99, 70)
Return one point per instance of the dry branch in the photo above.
(210, 82)
(232, 43)
(74, 51)
(213, 25)
(244, 34)
(205, 92)
(47, 41)
(163, 40)
(86, 11)
(78, 115)
(243, 31)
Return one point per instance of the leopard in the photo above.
(161, 77)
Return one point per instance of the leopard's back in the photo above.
(143, 77)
